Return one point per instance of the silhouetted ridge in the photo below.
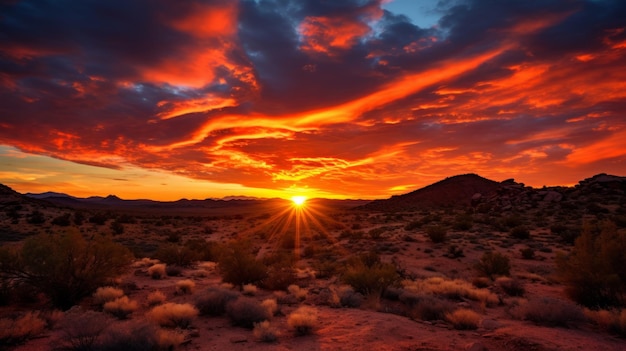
(452, 191)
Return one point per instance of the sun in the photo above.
(299, 200)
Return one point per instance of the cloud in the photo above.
(342, 97)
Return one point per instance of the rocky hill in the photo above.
(601, 193)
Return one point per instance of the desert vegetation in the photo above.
(167, 282)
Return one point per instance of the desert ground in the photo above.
(429, 291)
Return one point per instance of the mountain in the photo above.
(592, 194)
(46, 195)
(452, 191)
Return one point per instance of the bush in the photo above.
(62, 220)
(437, 233)
(271, 306)
(65, 267)
(595, 271)
(527, 253)
(550, 312)
(140, 336)
(83, 331)
(213, 301)
(611, 321)
(265, 332)
(155, 298)
(520, 232)
(510, 286)
(493, 264)
(463, 319)
(298, 292)
(14, 331)
(249, 289)
(172, 254)
(303, 320)
(105, 294)
(429, 308)
(245, 311)
(157, 271)
(121, 307)
(173, 315)
(368, 275)
(238, 265)
(185, 286)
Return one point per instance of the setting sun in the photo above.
(298, 200)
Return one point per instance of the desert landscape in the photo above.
(466, 263)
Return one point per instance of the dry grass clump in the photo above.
(451, 289)
(157, 271)
(493, 264)
(155, 298)
(303, 320)
(249, 289)
(199, 273)
(144, 262)
(121, 307)
(427, 307)
(271, 305)
(185, 286)
(613, 321)
(13, 331)
(297, 291)
(213, 301)
(463, 319)
(173, 315)
(265, 332)
(549, 311)
(105, 294)
(245, 311)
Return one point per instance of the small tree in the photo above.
(238, 265)
(65, 267)
(493, 264)
(595, 271)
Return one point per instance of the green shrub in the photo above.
(238, 265)
(520, 232)
(213, 301)
(246, 311)
(595, 271)
(176, 255)
(369, 276)
(437, 233)
(65, 267)
(493, 264)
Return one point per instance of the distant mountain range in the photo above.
(457, 191)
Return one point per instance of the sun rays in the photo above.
(294, 222)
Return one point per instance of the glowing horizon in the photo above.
(365, 100)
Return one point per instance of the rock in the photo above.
(238, 339)
(477, 196)
(553, 196)
(475, 346)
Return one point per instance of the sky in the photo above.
(168, 99)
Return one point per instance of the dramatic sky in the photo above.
(166, 99)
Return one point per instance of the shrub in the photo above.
(13, 331)
(297, 291)
(185, 286)
(278, 278)
(549, 311)
(429, 308)
(139, 336)
(493, 264)
(520, 232)
(105, 294)
(82, 331)
(238, 265)
(121, 307)
(463, 319)
(245, 311)
(349, 298)
(612, 321)
(595, 271)
(155, 298)
(173, 271)
(437, 233)
(65, 267)
(527, 253)
(213, 301)
(177, 255)
(303, 320)
(265, 332)
(62, 220)
(157, 271)
(367, 275)
(511, 286)
(456, 289)
(249, 289)
(271, 306)
(173, 315)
